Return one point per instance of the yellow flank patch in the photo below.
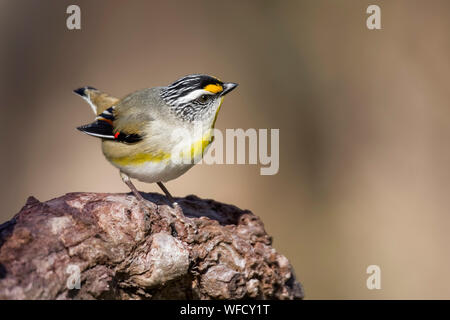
(198, 147)
(195, 151)
(141, 158)
(213, 88)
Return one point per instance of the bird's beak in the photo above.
(228, 87)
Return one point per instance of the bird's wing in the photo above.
(129, 119)
(135, 113)
(104, 127)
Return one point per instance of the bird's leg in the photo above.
(166, 192)
(178, 212)
(130, 185)
(145, 204)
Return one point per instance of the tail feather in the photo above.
(99, 101)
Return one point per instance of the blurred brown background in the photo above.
(363, 116)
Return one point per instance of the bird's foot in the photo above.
(177, 213)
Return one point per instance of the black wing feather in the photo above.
(99, 128)
(103, 128)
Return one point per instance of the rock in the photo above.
(110, 246)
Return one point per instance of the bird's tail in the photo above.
(99, 101)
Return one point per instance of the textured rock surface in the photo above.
(122, 250)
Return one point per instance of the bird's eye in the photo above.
(203, 98)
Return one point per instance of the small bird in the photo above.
(137, 131)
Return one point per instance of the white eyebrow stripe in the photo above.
(193, 95)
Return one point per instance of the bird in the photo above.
(144, 134)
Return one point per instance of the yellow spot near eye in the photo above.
(213, 88)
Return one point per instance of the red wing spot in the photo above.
(116, 135)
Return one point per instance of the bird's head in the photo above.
(196, 97)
